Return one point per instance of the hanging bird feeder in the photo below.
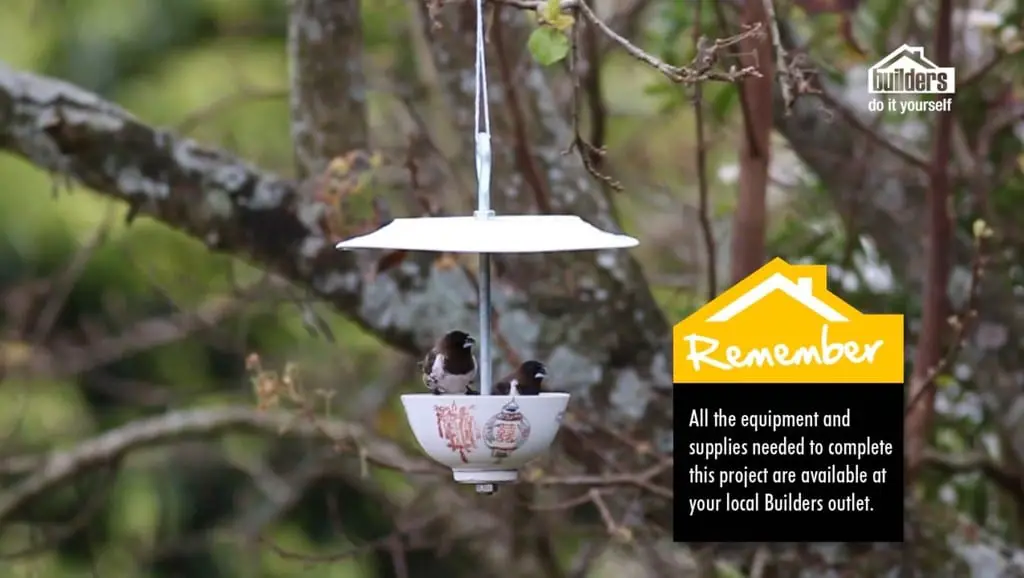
(486, 439)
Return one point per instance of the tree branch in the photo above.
(975, 462)
(61, 466)
(66, 360)
(781, 66)
(701, 153)
(219, 199)
(917, 425)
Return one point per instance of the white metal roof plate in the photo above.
(498, 234)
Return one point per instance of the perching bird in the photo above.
(526, 380)
(450, 366)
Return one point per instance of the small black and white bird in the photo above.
(526, 380)
(450, 367)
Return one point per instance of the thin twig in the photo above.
(781, 69)
(83, 516)
(602, 508)
(961, 323)
(747, 117)
(807, 66)
(592, 88)
(563, 504)
(982, 71)
(524, 157)
(590, 154)
(974, 462)
(979, 177)
(63, 285)
(197, 117)
(703, 208)
(143, 335)
(681, 74)
(385, 543)
(638, 479)
(875, 136)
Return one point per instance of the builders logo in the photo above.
(781, 324)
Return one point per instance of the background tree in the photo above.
(195, 382)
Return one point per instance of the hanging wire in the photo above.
(481, 76)
(481, 111)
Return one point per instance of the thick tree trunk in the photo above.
(747, 252)
(328, 86)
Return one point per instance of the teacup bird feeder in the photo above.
(486, 439)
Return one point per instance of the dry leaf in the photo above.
(342, 189)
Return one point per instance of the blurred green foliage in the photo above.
(165, 61)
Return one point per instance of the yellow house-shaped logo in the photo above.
(782, 325)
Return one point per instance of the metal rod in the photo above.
(483, 201)
(483, 211)
(485, 324)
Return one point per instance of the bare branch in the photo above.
(63, 284)
(703, 205)
(591, 154)
(245, 94)
(527, 164)
(975, 462)
(281, 492)
(211, 195)
(693, 73)
(640, 479)
(698, 71)
(961, 323)
(94, 503)
(781, 68)
(61, 466)
(872, 134)
(70, 360)
(388, 542)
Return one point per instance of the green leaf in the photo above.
(551, 14)
(548, 45)
(722, 103)
(552, 10)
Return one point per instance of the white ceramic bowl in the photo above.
(484, 438)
